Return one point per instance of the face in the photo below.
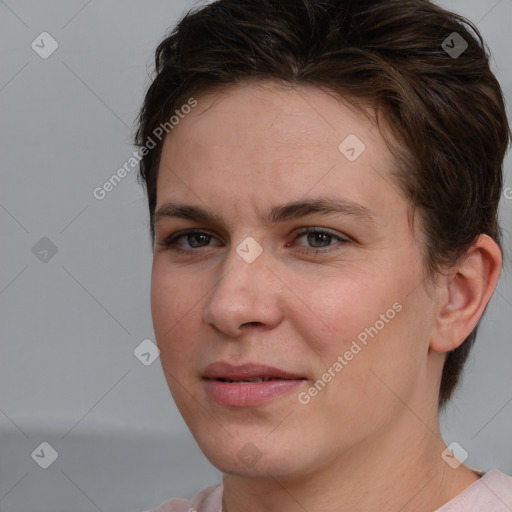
(321, 304)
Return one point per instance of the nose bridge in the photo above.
(245, 262)
(242, 294)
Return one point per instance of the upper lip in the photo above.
(224, 370)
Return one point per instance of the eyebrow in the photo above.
(293, 210)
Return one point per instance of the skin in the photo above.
(370, 440)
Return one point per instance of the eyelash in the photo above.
(171, 242)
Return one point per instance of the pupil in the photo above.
(196, 237)
(317, 237)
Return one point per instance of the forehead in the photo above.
(304, 116)
(268, 143)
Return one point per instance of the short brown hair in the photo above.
(446, 109)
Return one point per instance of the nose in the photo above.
(247, 295)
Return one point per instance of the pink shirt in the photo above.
(492, 493)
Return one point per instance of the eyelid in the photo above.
(342, 240)
(171, 242)
(171, 239)
(326, 231)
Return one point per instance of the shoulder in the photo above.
(207, 500)
(492, 492)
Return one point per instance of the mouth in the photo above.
(248, 381)
(249, 372)
(247, 385)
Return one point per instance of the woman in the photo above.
(323, 180)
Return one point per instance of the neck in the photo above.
(403, 471)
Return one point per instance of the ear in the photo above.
(465, 294)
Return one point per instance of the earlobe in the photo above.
(468, 292)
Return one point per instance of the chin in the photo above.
(255, 456)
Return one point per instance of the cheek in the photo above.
(390, 358)
(174, 294)
(366, 322)
(335, 310)
(163, 302)
(174, 310)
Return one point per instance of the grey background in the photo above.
(70, 325)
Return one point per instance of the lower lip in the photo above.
(232, 394)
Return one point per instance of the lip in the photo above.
(234, 394)
(224, 370)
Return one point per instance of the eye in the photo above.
(319, 239)
(195, 238)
